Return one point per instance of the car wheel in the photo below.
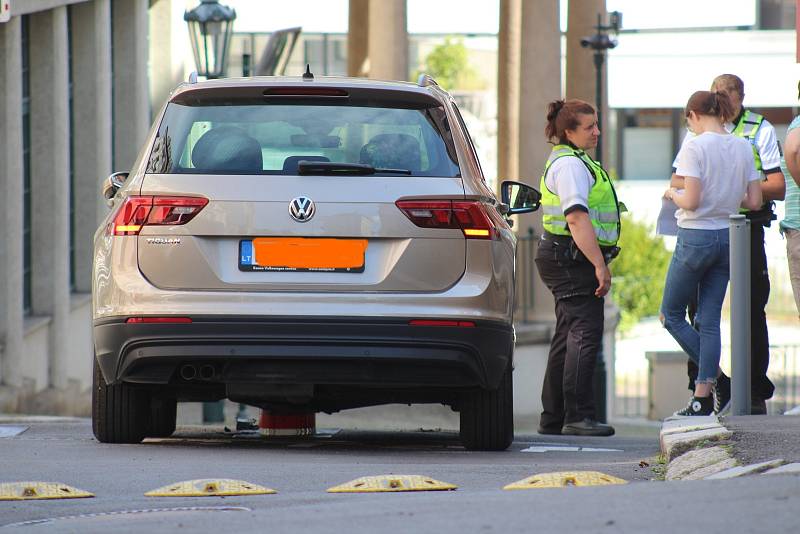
(487, 417)
(119, 411)
(163, 414)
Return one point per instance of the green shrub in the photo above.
(638, 272)
(448, 63)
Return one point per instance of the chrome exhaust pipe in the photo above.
(188, 372)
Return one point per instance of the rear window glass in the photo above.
(271, 139)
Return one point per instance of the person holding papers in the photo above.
(715, 176)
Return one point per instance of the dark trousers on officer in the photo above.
(567, 392)
(761, 388)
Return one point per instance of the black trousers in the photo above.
(761, 388)
(567, 391)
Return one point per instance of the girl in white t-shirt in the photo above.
(718, 176)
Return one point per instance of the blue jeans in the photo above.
(699, 264)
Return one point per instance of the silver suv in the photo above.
(305, 245)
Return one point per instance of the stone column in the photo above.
(50, 181)
(581, 22)
(11, 184)
(508, 69)
(131, 88)
(169, 46)
(388, 40)
(358, 38)
(540, 83)
(91, 105)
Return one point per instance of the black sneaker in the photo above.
(587, 427)
(697, 406)
(722, 394)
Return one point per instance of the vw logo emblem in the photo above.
(302, 209)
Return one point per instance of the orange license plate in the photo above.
(302, 254)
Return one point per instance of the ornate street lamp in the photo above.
(210, 28)
(600, 42)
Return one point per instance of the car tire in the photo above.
(163, 416)
(487, 417)
(120, 412)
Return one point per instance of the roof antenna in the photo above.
(307, 76)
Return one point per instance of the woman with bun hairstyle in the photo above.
(581, 229)
(717, 173)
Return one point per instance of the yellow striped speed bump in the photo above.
(23, 491)
(387, 483)
(565, 479)
(210, 487)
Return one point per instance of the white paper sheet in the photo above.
(667, 224)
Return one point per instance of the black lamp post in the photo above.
(600, 42)
(210, 28)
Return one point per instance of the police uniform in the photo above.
(573, 181)
(766, 152)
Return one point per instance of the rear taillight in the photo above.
(158, 320)
(139, 211)
(470, 216)
(434, 322)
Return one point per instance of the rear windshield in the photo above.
(272, 138)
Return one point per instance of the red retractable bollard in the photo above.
(287, 425)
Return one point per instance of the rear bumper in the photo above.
(372, 353)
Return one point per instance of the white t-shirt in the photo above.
(766, 143)
(569, 178)
(724, 165)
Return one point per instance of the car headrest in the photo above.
(393, 151)
(227, 148)
(290, 163)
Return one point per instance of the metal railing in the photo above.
(631, 387)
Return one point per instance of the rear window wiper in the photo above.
(331, 168)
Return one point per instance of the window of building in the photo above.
(27, 281)
(645, 150)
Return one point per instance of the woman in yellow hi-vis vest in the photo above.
(581, 229)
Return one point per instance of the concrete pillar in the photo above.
(358, 38)
(169, 48)
(581, 22)
(131, 88)
(388, 40)
(50, 181)
(508, 68)
(539, 84)
(11, 184)
(91, 105)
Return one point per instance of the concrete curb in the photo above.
(695, 450)
(681, 435)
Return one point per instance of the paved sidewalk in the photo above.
(758, 438)
(712, 448)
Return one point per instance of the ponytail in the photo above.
(716, 104)
(724, 105)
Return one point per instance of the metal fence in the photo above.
(631, 387)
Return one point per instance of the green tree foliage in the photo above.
(449, 64)
(639, 272)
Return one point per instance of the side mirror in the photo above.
(520, 198)
(112, 184)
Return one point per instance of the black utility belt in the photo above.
(763, 216)
(572, 251)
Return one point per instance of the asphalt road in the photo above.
(302, 469)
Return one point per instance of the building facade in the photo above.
(74, 106)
